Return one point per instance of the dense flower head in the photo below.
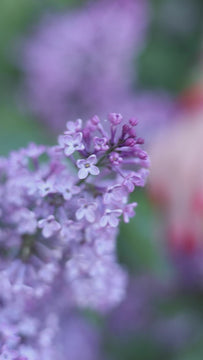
(70, 71)
(60, 210)
(48, 331)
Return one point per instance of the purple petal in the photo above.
(41, 223)
(80, 213)
(78, 137)
(67, 139)
(94, 170)
(47, 232)
(92, 159)
(90, 215)
(104, 221)
(113, 220)
(80, 163)
(83, 172)
(69, 150)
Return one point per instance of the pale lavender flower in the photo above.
(75, 337)
(34, 151)
(46, 187)
(129, 212)
(72, 143)
(110, 218)
(67, 188)
(87, 167)
(25, 220)
(86, 210)
(96, 280)
(114, 193)
(73, 126)
(135, 179)
(49, 226)
(71, 231)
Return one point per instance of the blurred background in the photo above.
(64, 59)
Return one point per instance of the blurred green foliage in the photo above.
(17, 18)
(173, 44)
(138, 244)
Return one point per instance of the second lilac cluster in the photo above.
(80, 62)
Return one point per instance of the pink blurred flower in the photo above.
(176, 183)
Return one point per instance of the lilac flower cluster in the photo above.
(47, 333)
(60, 210)
(59, 214)
(70, 71)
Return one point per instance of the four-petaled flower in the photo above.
(129, 212)
(25, 220)
(110, 218)
(100, 144)
(71, 143)
(87, 166)
(49, 226)
(115, 193)
(34, 151)
(46, 187)
(115, 158)
(73, 126)
(135, 179)
(67, 188)
(86, 210)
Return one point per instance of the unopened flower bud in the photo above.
(133, 121)
(115, 118)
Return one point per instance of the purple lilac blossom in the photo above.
(71, 72)
(47, 331)
(72, 143)
(87, 166)
(57, 222)
(50, 330)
